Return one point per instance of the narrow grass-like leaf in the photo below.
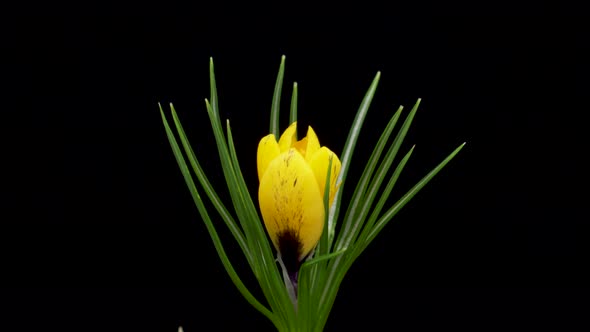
(359, 193)
(274, 292)
(255, 223)
(322, 258)
(359, 244)
(213, 87)
(307, 290)
(249, 215)
(326, 301)
(276, 101)
(293, 112)
(231, 177)
(359, 215)
(229, 173)
(211, 229)
(336, 271)
(324, 246)
(304, 301)
(208, 188)
(408, 196)
(269, 279)
(318, 271)
(239, 204)
(346, 156)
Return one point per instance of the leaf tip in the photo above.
(460, 147)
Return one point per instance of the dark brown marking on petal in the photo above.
(290, 248)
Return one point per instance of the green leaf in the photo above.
(213, 87)
(208, 188)
(254, 224)
(346, 156)
(324, 246)
(210, 228)
(353, 225)
(269, 278)
(256, 247)
(293, 113)
(276, 101)
(359, 193)
(263, 262)
(360, 244)
(409, 195)
(322, 258)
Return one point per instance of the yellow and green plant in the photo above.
(299, 200)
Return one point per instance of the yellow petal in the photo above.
(301, 146)
(308, 145)
(291, 202)
(288, 138)
(313, 144)
(319, 164)
(268, 149)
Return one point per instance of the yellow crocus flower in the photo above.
(292, 178)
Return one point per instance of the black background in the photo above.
(100, 232)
